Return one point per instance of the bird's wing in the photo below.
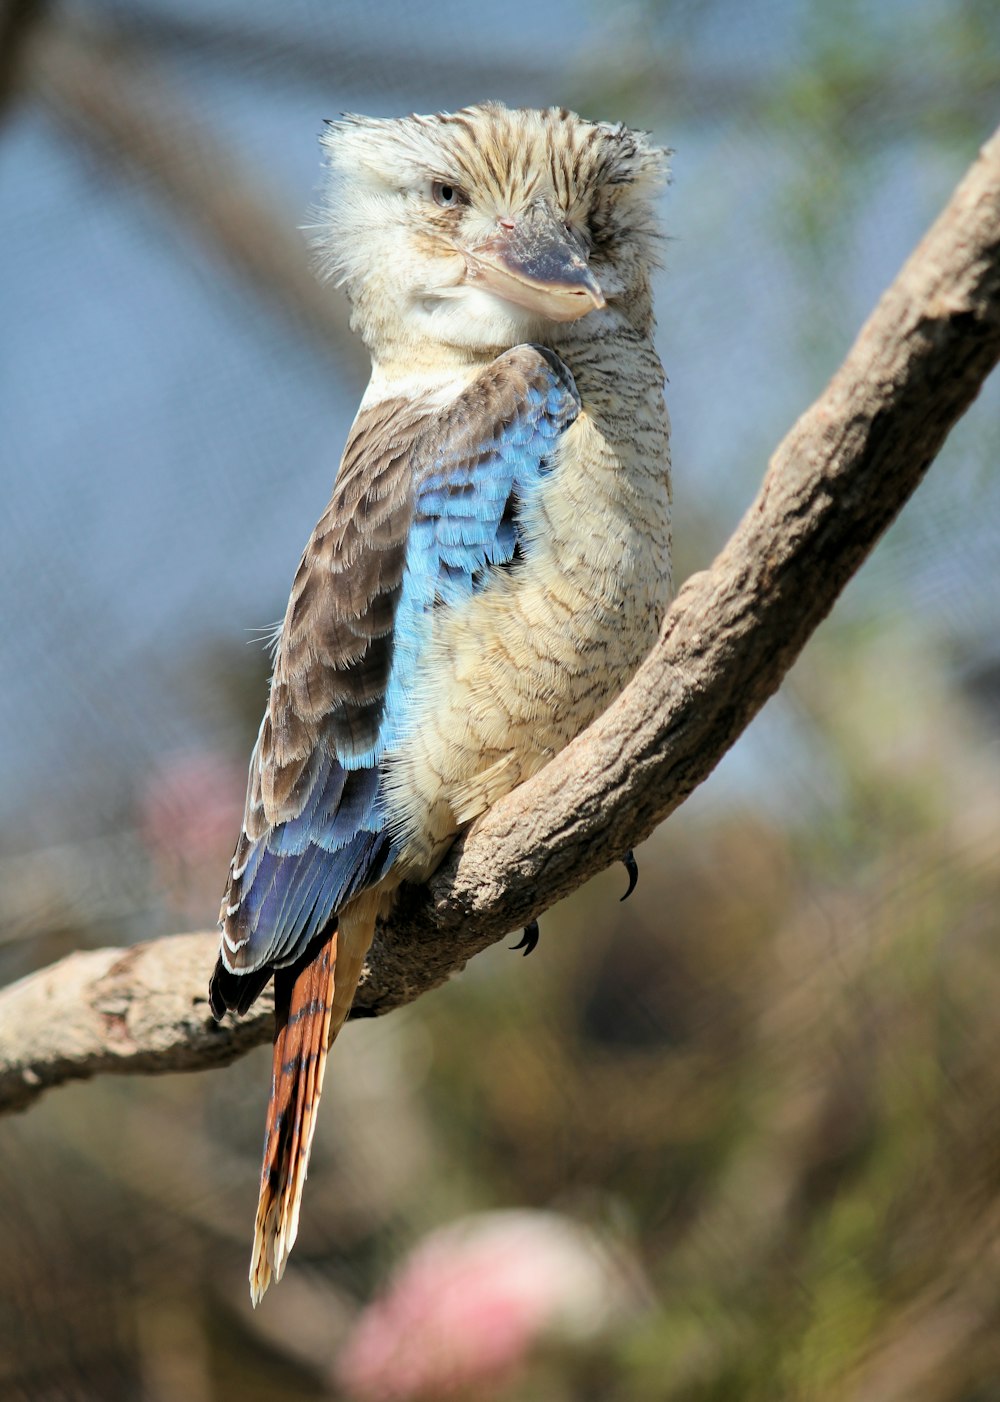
(426, 507)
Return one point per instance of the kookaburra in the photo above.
(492, 567)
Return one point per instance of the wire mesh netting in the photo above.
(752, 1112)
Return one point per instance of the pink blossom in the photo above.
(465, 1310)
(189, 815)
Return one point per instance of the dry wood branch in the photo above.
(831, 489)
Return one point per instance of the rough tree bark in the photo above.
(831, 489)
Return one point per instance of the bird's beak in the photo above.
(537, 265)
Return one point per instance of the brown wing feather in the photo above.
(334, 655)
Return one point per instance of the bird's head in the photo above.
(480, 229)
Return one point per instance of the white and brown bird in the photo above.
(492, 567)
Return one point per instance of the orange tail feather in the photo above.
(303, 1011)
(312, 1001)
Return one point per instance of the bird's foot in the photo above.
(529, 939)
(632, 867)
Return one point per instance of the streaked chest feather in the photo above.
(509, 678)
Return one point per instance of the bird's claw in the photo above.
(632, 867)
(528, 939)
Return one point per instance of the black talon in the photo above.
(632, 867)
(529, 939)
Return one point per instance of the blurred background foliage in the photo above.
(770, 1083)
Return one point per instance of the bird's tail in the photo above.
(312, 1000)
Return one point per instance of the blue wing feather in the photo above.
(471, 478)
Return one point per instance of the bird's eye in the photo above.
(447, 196)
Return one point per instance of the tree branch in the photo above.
(833, 486)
